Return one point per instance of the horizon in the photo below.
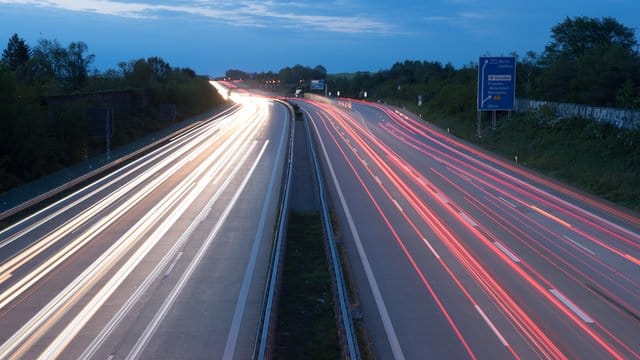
(345, 36)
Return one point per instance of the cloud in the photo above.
(248, 13)
(456, 19)
(471, 22)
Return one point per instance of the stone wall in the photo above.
(621, 118)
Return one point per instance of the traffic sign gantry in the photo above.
(496, 83)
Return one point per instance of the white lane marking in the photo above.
(461, 175)
(44, 268)
(431, 248)
(550, 216)
(364, 123)
(398, 205)
(507, 202)
(493, 328)
(173, 264)
(177, 289)
(406, 168)
(468, 219)
(373, 284)
(232, 338)
(142, 288)
(55, 309)
(573, 307)
(377, 180)
(65, 299)
(31, 227)
(506, 251)
(79, 220)
(443, 197)
(579, 245)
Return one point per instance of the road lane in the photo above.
(115, 267)
(472, 256)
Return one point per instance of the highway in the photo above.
(458, 254)
(165, 258)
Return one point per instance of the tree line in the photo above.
(294, 76)
(593, 61)
(47, 91)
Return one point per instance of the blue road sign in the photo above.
(496, 83)
(317, 84)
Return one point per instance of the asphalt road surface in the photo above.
(457, 254)
(165, 258)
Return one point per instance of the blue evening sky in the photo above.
(212, 36)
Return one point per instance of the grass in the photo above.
(306, 325)
(597, 158)
(594, 157)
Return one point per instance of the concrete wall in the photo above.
(621, 118)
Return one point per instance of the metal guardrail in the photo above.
(345, 319)
(266, 327)
(122, 160)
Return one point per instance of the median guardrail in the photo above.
(267, 324)
(346, 329)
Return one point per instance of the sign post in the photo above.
(496, 86)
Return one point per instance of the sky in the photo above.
(211, 36)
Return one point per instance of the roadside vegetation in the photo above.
(588, 61)
(48, 91)
(591, 61)
(597, 158)
(306, 327)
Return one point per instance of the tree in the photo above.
(319, 72)
(601, 72)
(49, 63)
(574, 37)
(627, 96)
(301, 75)
(189, 72)
(66, 68)
(17, 53)
(528, 70)
(588, 61)
(138, 73)
(235, 74)
(77, 64)
(160, 68)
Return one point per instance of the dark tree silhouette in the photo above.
(589, 61)
(17, 52)
(78, 64)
